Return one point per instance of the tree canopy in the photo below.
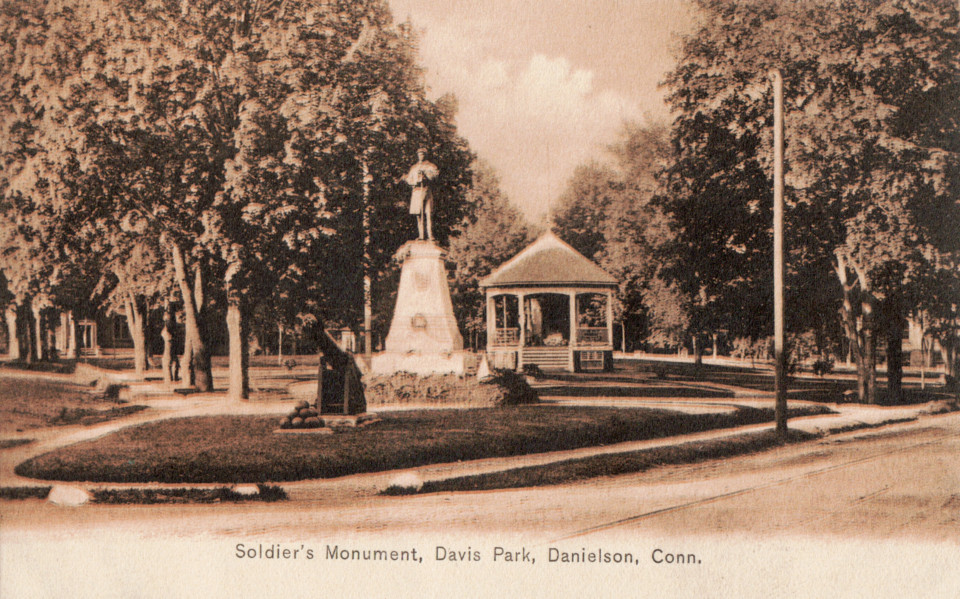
(235, 138)
(871, 157)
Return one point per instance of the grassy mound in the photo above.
(235, 449)
(505, 388)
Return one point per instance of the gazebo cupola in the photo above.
(550, 306)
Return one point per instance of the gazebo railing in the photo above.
(592, 336)
(506, 337)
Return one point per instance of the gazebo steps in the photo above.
(547, 358)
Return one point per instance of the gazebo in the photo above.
(552, 307)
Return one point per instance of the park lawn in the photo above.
(30, 404)
(235, 449)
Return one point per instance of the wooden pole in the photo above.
(780, 384)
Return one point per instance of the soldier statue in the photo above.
(421, 200)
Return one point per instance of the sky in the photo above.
(545, 85)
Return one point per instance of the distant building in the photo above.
(552, 307)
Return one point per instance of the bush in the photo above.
(505, 387)
(823, 366)
(517, 389)
(533, 370)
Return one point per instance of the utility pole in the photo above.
(780, 358)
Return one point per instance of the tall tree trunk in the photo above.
(895, 324)
(186, 362)
(166, 333)
(26, 332)
(73, 348)
(951, 360)
(869, 350)
(279, 344)
(239, 386)
(862, 340)
(39, 336)
(199, 356)
(367, 286)
(135, 325)
(13, 339)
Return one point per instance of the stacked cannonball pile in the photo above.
(303, 416)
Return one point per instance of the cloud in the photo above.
(534, 117)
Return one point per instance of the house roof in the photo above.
(548, 261)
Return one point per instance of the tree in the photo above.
(227, 133)
(493, 232)
(871, 154)
(31, 190)
(607, 213)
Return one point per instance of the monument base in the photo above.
(456, 362)
(423, 320)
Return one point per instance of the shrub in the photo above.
(517, 389)
(533, 370)
(823, 366)
(505, 387)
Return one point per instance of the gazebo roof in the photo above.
(548, 261)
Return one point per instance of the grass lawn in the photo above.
(605, 465)
(233, 449)
(29, 404)
(824, 389)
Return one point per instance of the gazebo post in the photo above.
(522, 321)
(610, 318)
(491, 321)
(573, 329)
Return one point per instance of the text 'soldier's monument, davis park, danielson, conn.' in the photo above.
(423, 337)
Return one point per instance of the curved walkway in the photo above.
(174, 406)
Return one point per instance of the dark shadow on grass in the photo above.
(266, 493)
(19, 493)
(606, 465)
(11, 443)
(638, 392)
(87, 416)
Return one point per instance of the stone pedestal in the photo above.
(423, 336)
